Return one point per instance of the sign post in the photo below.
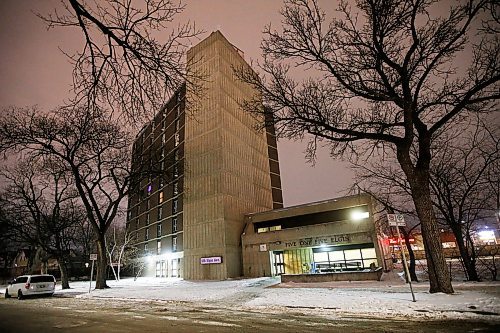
(398, 220)
(93, 257)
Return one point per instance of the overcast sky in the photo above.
(34, 71)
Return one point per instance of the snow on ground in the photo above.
(387, 298)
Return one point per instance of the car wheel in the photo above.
(7, 293)
(20, 294)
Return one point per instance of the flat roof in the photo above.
(313, 207)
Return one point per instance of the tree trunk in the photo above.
(411, 254)
(439, 276)
(63, 268)
(469, 261)
(102, 263)
(418, 177)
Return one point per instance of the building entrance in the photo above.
(279, 264)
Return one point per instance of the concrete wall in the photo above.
(226, 162)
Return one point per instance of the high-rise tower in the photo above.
(220, 167)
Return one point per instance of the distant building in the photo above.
(207, 166)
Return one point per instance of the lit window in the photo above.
(177, 123)
(147, 219)
(274, 228)
(176, 171)
(158, 247)
(160, 213)
(150, 188)
(160, 197)
(158, 230)
(146, 235)
(261, 230)
(174, 243)
(176, 188)
(177, 138)
(175, 206)
(174, 224)
(145, 247)
(163, 138)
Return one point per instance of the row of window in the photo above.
(159, 228)
(158, 246)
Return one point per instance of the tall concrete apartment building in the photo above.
(207, 167)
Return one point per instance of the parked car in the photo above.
(30, 285)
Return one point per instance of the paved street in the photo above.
(68, 314)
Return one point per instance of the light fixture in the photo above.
(358, 215)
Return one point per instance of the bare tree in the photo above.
(382, 76)
(132, 54)
(90, 146)
(44, 211)
(119, 248)
(460, 187)
(461, 178)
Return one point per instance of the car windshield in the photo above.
(43, 278)
(21, 279)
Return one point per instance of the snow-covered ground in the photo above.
(387, 298)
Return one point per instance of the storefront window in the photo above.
(350, 257)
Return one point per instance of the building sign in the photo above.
(211, 260)
(318, 241)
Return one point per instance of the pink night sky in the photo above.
(34, 71)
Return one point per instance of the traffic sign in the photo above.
(396, 220)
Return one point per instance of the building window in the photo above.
(148, 204)
(158, 247)
(158, 269)
(175, 267)
(342, 258)
(177, 139)
(137, 223)
(147, 219)
(163, 138)
(145, 248)
(175, 206)
(177, 123)
(146, 234)
(175, 188)
(174, 224)
(158, 230)
(160, 197)
(176, 155)
(160, 213)
(174, 244)
(176, 171)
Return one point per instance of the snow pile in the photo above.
(387, 298)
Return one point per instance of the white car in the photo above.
(30, 285)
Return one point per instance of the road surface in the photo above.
(76, 315)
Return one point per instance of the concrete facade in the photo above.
(292, 240)
(199, 167)
(227, 163)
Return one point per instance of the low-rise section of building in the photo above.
(335, 235)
